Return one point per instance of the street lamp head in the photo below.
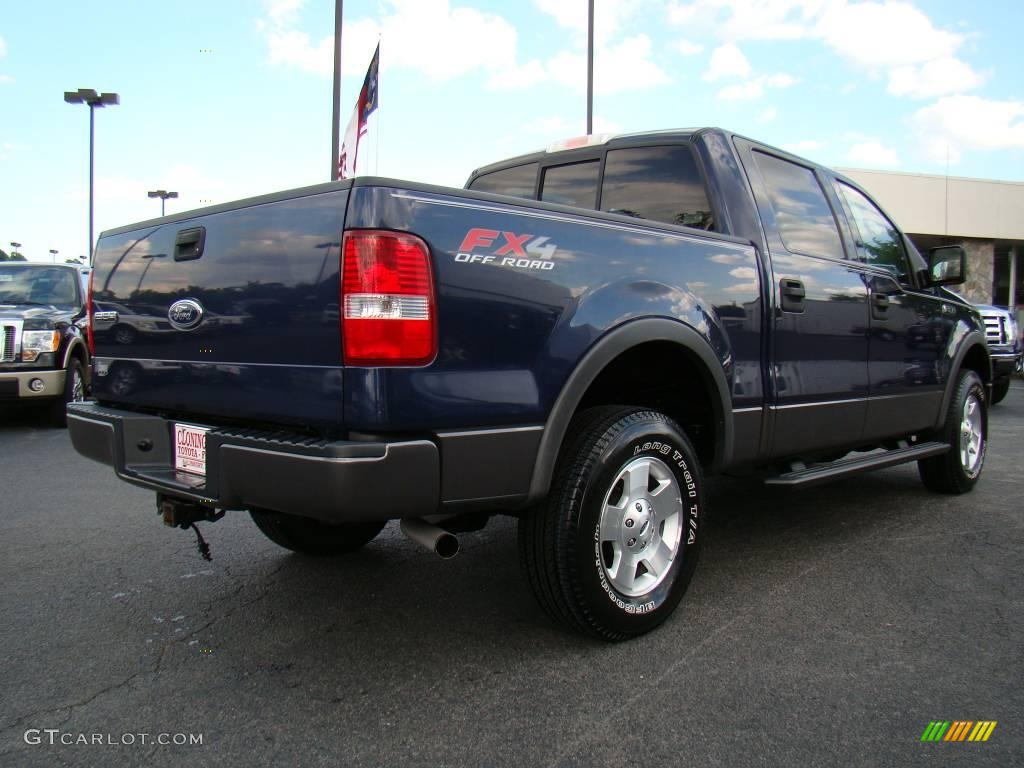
(156, 193)
(90, 97)
(172, 194)
(15, 245)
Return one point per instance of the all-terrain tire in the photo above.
(966, 431)
(612, 550)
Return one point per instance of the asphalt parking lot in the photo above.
(823, 628)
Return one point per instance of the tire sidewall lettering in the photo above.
(655, 440)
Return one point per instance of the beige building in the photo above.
(985, 216)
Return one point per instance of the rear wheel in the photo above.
(1000, 387)
(74, 392)
(613, 549)
(966, 431)
(312, 537)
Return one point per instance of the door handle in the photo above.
(880, 306)
(791, 295)
(189, 244)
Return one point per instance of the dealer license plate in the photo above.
(190, 448)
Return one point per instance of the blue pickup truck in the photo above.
(577, 339)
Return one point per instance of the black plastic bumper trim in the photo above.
(333, 481)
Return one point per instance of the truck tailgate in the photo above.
(232, 314)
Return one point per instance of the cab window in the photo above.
(802, 214)
(657, 183)
(574, 184)
(517, 181)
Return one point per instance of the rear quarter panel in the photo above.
(513, 325)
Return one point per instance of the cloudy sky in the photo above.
(228, 98)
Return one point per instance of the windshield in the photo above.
(45, 286)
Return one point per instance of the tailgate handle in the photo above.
(189, 243)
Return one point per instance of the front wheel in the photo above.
(312, 537)
(966, 431)
(613, 549)
(74, 392)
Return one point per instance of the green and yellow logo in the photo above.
(958, 730)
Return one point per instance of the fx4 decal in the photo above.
(506, 249)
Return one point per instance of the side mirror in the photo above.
(947, 265)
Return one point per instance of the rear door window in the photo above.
(573, 184)
(657, 183)
(518, 181)
(802, 212)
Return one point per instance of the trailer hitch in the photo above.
(185, 514)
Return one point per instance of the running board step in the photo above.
(823, 473)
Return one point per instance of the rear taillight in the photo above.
(89, 340)
(387, 299)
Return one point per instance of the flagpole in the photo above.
(590, 68)
(380, 124)
(336, 112)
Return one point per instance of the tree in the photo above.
(4, 256)
(19, 256)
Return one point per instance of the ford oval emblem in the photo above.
(185, 314)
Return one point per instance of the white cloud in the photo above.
(284, 12)
(768, 116)
(624, 66)
(747, 20)
(688, 47)
(6, 79)
(3, 46)
(804, 147)
(754, 89)
(955, 123)
(879, 34)
(609, 18)
(891, 37)
(743, 273)
(727, 61)
(427, 36)
(872, 154)
(938, 77)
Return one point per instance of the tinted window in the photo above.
(517, 182)
(574, 184)
(38, 285)
(878, 241)
(658, 183)
(802, 214)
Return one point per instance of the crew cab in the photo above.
(43, 354)
(576, 339)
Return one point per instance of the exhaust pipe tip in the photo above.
(442, 543)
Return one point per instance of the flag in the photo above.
(366, 105)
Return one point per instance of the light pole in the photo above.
(93, 99)
(339, 6)
(163, 194)
(53, 255)
(14, 248)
